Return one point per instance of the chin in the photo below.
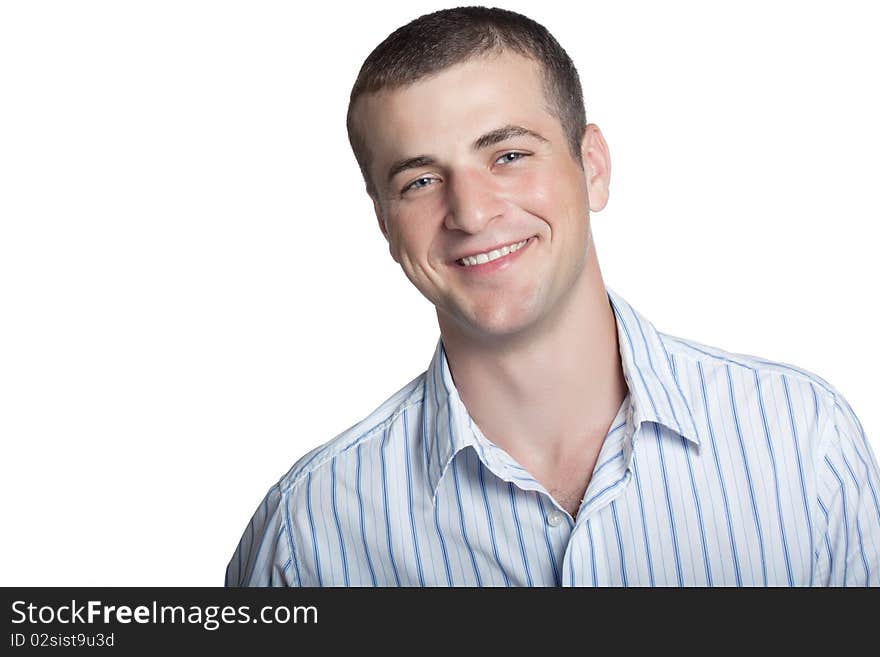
(501, 323)
(498, 318)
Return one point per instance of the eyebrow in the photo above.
(483, 141)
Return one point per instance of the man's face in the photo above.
(471, 161)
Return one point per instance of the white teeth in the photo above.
(494, 254)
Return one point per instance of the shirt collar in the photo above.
(655, 395)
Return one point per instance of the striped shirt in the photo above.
(720, 469)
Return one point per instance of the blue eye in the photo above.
(415, 183)
(426, 181)
(511, 157)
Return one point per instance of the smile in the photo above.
(489, 256)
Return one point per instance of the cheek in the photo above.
(534, 189)
(552, 196)
(412, 233)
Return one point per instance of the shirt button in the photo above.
(555, 517)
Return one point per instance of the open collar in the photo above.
(655, 395)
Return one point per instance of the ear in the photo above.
(597, 166)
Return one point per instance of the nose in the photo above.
(473, 201)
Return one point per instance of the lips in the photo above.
(470, 266)
(492, 253)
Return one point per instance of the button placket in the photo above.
(555, 517)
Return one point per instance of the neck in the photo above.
(546, 396)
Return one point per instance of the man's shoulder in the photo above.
(747, 376)
(712, 358)
(726, 384)
(362, 433)
(262, 558)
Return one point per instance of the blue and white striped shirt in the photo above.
(720, 469)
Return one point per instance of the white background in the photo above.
(194, 291)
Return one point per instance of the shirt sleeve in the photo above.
(264, 556)
(849, 484)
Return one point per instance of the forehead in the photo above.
(449, 109)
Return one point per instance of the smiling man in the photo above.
(556, 438)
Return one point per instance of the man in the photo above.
(557, 438)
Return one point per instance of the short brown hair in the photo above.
(434, 42)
